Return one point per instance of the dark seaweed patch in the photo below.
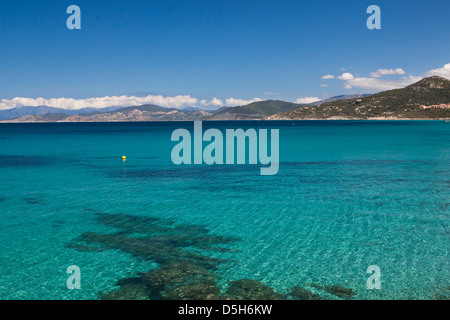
(181, 273)
(84, 248)
(15, 161)
(300, 293)
(182, 280)
(34, 200)
(128, 292)
(442, 294)
(247, 289)
(338, 291)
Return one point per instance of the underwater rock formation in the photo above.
(174, 273)
(247, 289)
(128, 292)
(33, 200)
(198, 289)
(300, 293)
(442, 294)
(337, 291)
(181, 273)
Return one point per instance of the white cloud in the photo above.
(380, 84)
(382, 72)
(232, 102)
(179, 101)
(374, 82)
(442, 72)
(324, 85)
(307, 100)
(346, 76)
(214, 103)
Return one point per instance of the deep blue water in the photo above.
(348, 194)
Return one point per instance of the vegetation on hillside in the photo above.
(397, 103)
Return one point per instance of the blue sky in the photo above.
(194, 51)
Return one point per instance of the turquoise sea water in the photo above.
(348, 194)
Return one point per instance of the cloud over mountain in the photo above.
(376, 83)
(380, 84)
(307, 100)
(442, 72)
(382, 72)
(178, 102)
(232, 102)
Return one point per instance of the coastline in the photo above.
(369, 119)
(213, 120)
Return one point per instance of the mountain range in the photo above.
(137, 113)
(254, 111)
(42, 110)
(402, 103)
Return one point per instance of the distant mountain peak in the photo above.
(401, 103)
(433, 82)
(137, 113)
(254, 111)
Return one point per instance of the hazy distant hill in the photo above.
(42, 110)
(254, 111)
(393, 104)
(137, 113)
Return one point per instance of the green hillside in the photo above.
(398, 103)
(255, 110)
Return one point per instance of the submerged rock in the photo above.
(127, 292)
(247, 289)
(176, 273)
(33, 200)
(198, 289)
(300, 293)
(84, 248)
(443, 294)
(182, 280)
(338, 291)
(130, 223)
(440, 296)
(182, 273)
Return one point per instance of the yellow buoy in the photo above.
(124, 158)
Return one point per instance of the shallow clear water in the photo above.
(348, 194)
